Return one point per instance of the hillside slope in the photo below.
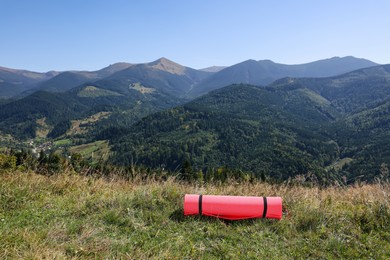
(126, 106)
(291, 127)
(272, 133)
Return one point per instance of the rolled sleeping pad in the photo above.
(233, 207)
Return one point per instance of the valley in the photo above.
(273, 121)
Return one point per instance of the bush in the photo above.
(49, 165)
(7, 162)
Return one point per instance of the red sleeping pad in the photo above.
(233, 207)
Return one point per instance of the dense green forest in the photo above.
(243, 133)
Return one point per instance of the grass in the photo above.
(338, 165)
(63, 142)
(144, 90)
(94, 92)
(73, 216)
(98, 150)
(315, 97)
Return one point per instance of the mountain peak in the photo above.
(248, 61)
(112, 68)
(213, 68)
(168, 66)
(164, 60)
(266, 61)
(344, 58)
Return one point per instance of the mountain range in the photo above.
(325, 118)
(172, 77)
(131, 91)
(264, 72)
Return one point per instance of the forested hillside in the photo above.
(19, 118)
(240, 127)
(331, 127)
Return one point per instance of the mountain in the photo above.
(162, 75)
(126, 94)
(67, 80)
(265, 71)
(13, 82)
(350, 92)
(123, 106)
(327, 127)
(173, 78)
(22, 82)
(70, 79)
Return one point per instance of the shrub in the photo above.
(7, 162)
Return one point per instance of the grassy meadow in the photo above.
(73, 216)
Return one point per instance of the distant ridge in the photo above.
(176, 79)
(105, 72)
(71, 79)
(15, 81)
(263, 72)
(214, 68)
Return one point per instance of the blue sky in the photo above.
(42, 35)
